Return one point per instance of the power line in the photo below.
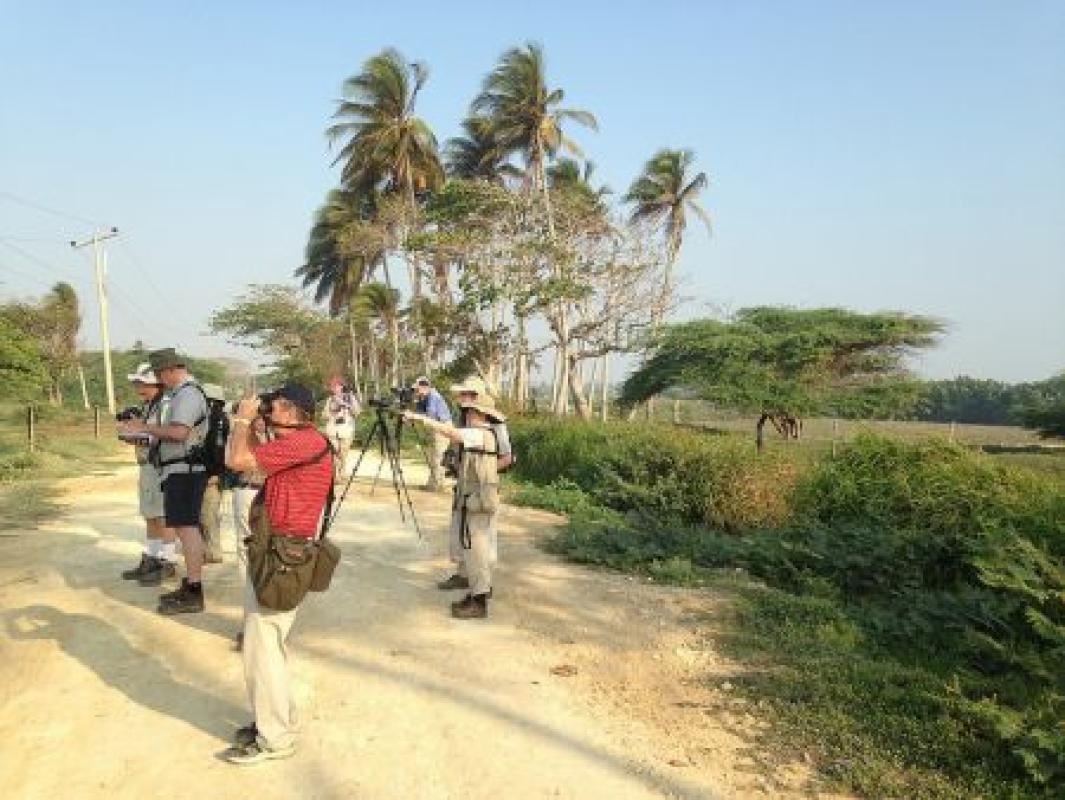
(128, 252)
(30, 256)
(45, 209)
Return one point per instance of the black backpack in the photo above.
(214, 443)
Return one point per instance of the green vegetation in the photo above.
(901, 611)
(65, 448)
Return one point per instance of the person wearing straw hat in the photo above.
(157, 560)
(476, 502)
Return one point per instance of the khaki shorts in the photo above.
(149, 492)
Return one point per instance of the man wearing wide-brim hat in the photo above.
(180, 434)
(476, 496)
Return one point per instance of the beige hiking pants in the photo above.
(474, 562)
(211, 519)
(437, 445)
(266, 671)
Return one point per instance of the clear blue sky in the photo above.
(903, 155)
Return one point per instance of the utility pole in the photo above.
(100, 262)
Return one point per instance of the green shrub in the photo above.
(935, 562)
(661, 471)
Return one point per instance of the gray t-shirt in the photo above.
(502, 438)
(187, 406)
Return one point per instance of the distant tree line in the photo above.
(980, 401)
(41, 362)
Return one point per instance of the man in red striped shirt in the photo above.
(299, 473)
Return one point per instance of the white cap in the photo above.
(144, 374)
(212, 391)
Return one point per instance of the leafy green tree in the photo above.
(23, 373)
(53, 322)
(781, 363)
(1049, 421)
(298, 341)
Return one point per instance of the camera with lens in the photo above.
(401, 398)
(126, 414)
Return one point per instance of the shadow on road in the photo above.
(142, 677)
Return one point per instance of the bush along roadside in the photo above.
(907, 621)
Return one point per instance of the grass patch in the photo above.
(65, 448)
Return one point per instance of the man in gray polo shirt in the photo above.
(180, 434)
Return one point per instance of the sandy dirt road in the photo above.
(101, 697)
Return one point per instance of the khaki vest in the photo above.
(478, 479)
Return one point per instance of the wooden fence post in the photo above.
(31, 428)
(96, 422)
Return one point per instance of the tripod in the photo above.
(388, 442)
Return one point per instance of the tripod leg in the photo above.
(400, 483)
(375, 431)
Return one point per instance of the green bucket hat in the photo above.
(164, 359)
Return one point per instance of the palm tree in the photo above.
(383, 139)
(568, 175)
(376, 301)
(335, 271)
(663, 194)
(526, 117)
(385, 144)
(478, 154)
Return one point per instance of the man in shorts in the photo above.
(157, 560)
(180, 435)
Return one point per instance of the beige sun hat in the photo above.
(473, 385)
(144, 374)
(486, 405)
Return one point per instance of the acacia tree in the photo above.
(300, 342)
(781, 363)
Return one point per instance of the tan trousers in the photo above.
(474, 562)
(266, 671)
(437, 445)
(242, 500)
(343, 447)
(211, 520)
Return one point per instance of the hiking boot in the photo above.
(454, 582)
(157, 571)
(248, 735)
(255, 753)
(473, 606)
(186, 600)
(142, 568)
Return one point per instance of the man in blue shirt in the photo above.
(432, 404)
